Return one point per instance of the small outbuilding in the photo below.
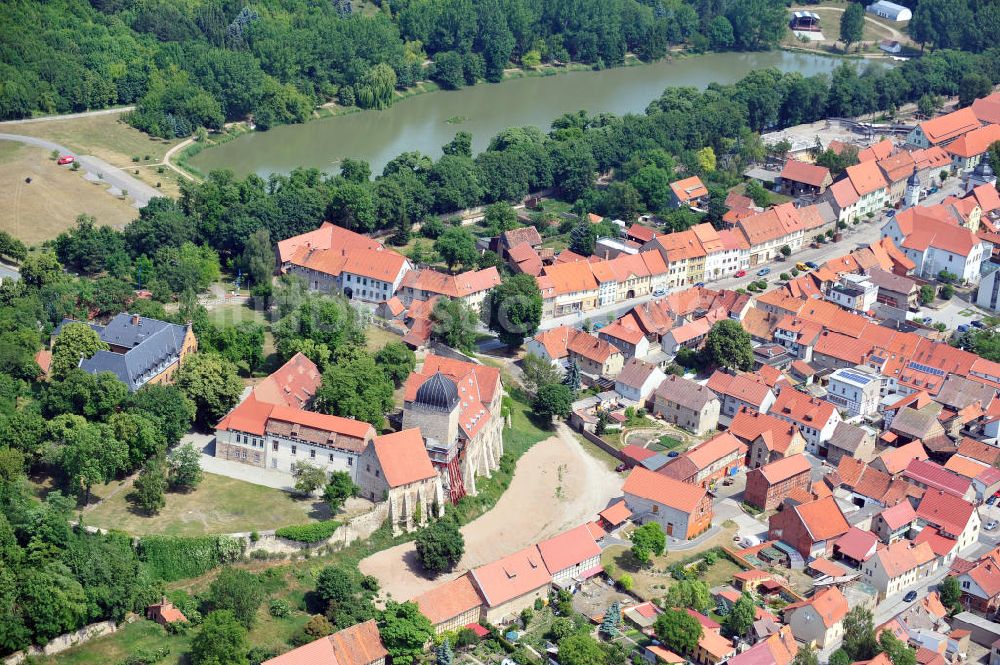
(890, 10)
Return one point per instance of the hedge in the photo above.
(308, 533)
(173, 558)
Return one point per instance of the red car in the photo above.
(65, 159)
(741, 273)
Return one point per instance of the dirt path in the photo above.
(173, 167)
(556, 486)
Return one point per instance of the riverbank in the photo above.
(423, 122)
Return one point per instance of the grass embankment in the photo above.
(49, 204)
(218, 505)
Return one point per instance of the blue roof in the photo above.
(152, 346)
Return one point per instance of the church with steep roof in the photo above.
(456, 405)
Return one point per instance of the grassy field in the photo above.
(50, 203)
(218, 505)
(376, 337)
(234, 314)
(103, 136)
(875, 30)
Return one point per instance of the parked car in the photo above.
(673, 453)
(910, 597)
(926, 320)
(659, 292)
(65, 159)
(699, 284)
(812, 264)
(621, 467)
(802, 267)
(763, 271)
(890, 213)
(741, 273)
(977, 324)
(963, 328)
(992, 524)
(990, 501)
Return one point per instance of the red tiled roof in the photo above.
(949, 126)
(876, 151)
(866, 177)
(943, 510)
(975, 142)
(689, 189)
(936, 477)
(616, 513)
(803, 409)
(449, 600)
(898, 515)
(512, 576)
(292, 384)
(666, 491)
(569, 548)
(830, 605)
(360, 644)
(785, 468)
(403, 457)
(897, 459)
(810, 174)
(857, 544)
(746, 387)
(822, 518)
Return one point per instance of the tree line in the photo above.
(189, 65)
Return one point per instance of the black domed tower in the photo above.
(438, 392)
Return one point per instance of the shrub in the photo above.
(784, 276)
(625, 582)
(254, 536)
(135, 158)
(279, 608)
(173, 558)
(144, 657)
(308, 533)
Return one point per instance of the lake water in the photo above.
(426, 122)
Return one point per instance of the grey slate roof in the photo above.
(847, 437)
(958, 392)
(152, 346)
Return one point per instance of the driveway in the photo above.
(97, 170)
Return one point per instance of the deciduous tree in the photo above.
(440, 545)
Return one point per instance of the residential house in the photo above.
(572, 556)
(141, 351)
(917, 424)
(935, 244)
(950, 524)
(816, 419)
(508, 240)
(854, 292)
(708, 462)
(740, 390)
(777, 649)
(968, 150)
(452, 605)
(768, 437)
(943, 130)
(850, 441)
(818, 619)
(565, 345)
(688, 404)
(897, 169)
(862, 192)
(470, 287)
(854, 390)
(688, 192)
(332, 259)
(798, 178)
(856, 546)
(898, 566)
(895, 523)
(895, 290)
(712, 647)
(894, 461)
(637, 380)
(512, 584)
(767, 232)
(980, 584)
(396, 468)
(928, 475)
(628, 339)
(359, 644)
(683, 510)
(810, 528)
(768, 485)
(687, 335)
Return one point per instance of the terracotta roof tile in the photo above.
(656, 487)
(403, 457)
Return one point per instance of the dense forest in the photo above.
(200, 63)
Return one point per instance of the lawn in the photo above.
(666, 442)
(218, 505)
(103, 136)
(376, 337)
(50, 203)
(129, 640)
(232, 314)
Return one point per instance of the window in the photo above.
(312, 454)
(331, 457)
(274, 446)
(378, 474)
(293, 449)
(350, 460)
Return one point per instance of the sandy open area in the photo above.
(557, 486)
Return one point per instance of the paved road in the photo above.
(96, 169)
(9, 272)
(68, 116)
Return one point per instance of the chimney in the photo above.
(135, 320)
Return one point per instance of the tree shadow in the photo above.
(320, 510)
(412, 562)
